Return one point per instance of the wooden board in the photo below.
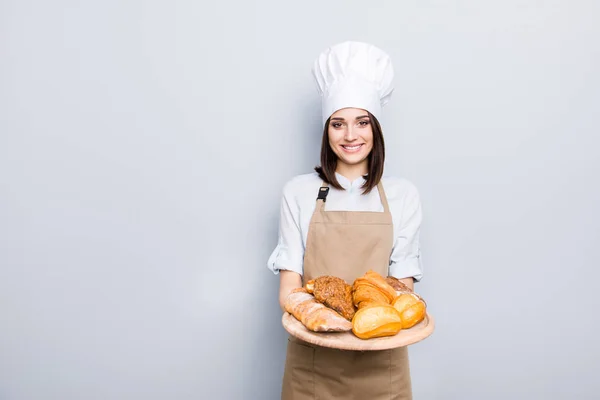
(348, 341)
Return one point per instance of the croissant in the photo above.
(376, 321)
(366, 294)
(372, 288)
(314, 315)
(412, 309)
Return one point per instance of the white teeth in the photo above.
(351, 147)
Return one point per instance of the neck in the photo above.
(352, 172)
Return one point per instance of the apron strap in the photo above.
(383, 197)
(322, 197)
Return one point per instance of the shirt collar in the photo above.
(346, 184)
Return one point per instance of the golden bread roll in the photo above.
(376, 320)
(411, 308)
(314, 315)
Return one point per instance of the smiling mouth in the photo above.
(352, 148)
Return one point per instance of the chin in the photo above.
(353, 161)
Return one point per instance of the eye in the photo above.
(336, 125)
(364, 122)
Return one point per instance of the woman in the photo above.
(344, 219)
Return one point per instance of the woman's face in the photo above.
(351, 135)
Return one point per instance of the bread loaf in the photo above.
(398, 286)
(314, 315)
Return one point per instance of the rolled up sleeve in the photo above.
(289, 252)
(405, 260)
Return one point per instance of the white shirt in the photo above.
(299, 202)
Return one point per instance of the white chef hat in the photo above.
(353, 74)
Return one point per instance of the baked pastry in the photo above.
(398, 286)
(334, 292)
(364, 295)
(314, 315)
(412, 309)
(376, 320)
(372, 288)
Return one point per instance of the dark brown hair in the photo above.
(376, 158)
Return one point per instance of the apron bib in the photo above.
(346, 244)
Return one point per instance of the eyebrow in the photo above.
(342, 119)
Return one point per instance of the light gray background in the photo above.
(143, 150)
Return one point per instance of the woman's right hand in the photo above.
(288, 281)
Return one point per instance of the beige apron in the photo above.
(346, 244)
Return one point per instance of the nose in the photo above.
(350, 134)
